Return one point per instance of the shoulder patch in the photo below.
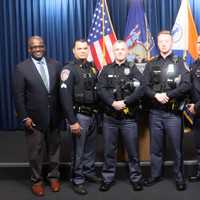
(65, 74)
(131, 64)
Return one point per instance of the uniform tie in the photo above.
(43, 74)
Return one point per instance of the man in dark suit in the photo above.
(35, 84)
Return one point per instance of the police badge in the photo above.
(126, 71)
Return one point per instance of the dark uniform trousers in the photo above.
(37, 142)
(195, 93)
(196, 133)
(129, 131)
(84, 152)
(162, 123)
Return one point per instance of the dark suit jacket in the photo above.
(31, 96)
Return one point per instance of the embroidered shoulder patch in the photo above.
(64, 74)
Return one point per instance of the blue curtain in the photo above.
(60, 22)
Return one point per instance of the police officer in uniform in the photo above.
(78, 99)
(194, 108)
(120, 86)
(167, 82)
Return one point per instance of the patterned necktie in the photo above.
(43, 75)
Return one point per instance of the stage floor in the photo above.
(14, 185)
(14, 174)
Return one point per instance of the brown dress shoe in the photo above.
(38, 189)
(55, 185)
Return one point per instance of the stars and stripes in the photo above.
(101, 36)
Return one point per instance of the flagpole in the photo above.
(103, 30)
(147, 39)
(110, 19)
(185, 50)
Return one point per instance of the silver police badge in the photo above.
(126, 71)
(170, 69)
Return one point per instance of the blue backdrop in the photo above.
(60, 22)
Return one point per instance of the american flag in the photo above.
(101, 36)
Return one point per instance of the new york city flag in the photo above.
(185, 33)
